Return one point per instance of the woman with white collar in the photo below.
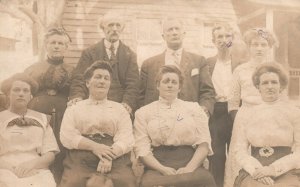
(243, 94)
(272, 131)
(172, 137)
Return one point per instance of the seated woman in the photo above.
(172, 137)
(272, 130)
(98, 135)
(27, 142)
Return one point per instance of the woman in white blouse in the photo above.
(27, 142)
(172, 137)
(272, 130)
(98, 135)
(259, 41)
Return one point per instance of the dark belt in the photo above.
(99, 138)
(267, 155)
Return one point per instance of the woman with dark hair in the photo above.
(27, 142)
(53, 77)
(172, 137)
(272, 131)
(243, 94)
(98, 135)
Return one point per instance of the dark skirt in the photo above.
(290, 178)
(176, 157)
(81, 166)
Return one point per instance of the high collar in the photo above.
(55, 61)
(96, 102)
(178, 51)
(163, 103)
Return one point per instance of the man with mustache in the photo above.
(221, 67)
(197, 87)
(122, 59)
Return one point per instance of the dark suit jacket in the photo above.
(124, 85)
(211, 61)
(197, 85)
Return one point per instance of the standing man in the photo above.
(122, 59)
(221, 67)
(197, 86)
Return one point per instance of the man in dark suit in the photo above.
(221, 69)
(197, 84)
(124, 86)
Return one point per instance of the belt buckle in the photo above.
(266, 151)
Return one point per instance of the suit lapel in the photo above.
(100, 52)
(185, 62)
(122, 56)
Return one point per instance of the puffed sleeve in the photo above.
(124, 135)
(234, 96)
(202, 126)
(142, 140)
(70, 136)
(243, 157)
(290, 161)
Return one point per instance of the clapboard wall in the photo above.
(143, 23)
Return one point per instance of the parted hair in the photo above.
(7, 83)
(99, 64)
(169, 69)
(270, 67)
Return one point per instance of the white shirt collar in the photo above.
(96, 102)
(171, 51)
(107, 44)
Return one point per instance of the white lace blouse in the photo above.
(269, 124)
(181, 123)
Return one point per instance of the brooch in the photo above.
(266, 151)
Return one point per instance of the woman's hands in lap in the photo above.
(104, 166)
(167, 171)
(25, 169)
(105, 151)
(264, 175)
(186, 169)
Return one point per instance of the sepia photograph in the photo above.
(149, 93)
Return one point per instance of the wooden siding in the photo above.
(142, 17)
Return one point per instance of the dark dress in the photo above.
(53, 77)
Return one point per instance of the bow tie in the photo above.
(24, 122)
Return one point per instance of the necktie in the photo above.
(176, 58)
(112, 53)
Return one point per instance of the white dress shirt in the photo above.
(173, 57)
(107, 45)
(91, 117)
(222, 79)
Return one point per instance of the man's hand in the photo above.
(25, 169)
(127, 107)
(266, 171)
(167, 171)
(74, 101)
(104, 166)
(105, 151)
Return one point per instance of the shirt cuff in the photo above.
(123, 146)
